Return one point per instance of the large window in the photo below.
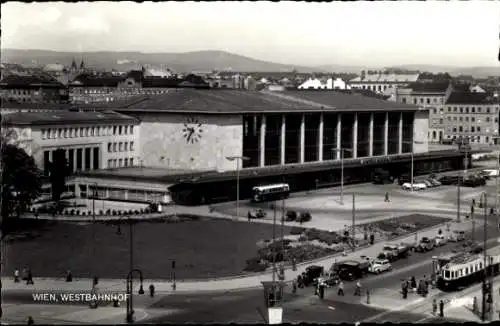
(292, 138)
(311, 137)
(330, 136)
(95, 158)
(378, 134)
(363, 145)
(408, 118)
(251, 138)
(346, 137)
(273, 138)
(394, 132)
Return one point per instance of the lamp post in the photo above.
(461, 145)
(342, 152)
(485, 257)
(238, 159)
(412, 167)
(130, 289)
(94, 279)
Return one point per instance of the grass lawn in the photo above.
(204, 248)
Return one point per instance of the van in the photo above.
(456, 236)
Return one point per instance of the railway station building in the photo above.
(296, 137)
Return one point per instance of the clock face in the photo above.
(192, 130)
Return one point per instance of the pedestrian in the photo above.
(294, 287)
(413, 283)
(30, 321)
(16, 276)
(357, 290)
(387, 197)
(299, 281)
(25, 274)
(29, 281)
(434, 307)
(341, 289)
(151, 290)
(69, 276)
(441, 308)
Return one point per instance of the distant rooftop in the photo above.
(435, 87)
(64, 117)
(386, 78)
(472, 98)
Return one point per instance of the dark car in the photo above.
(304, 217)
(312, 273)
(291, 215)
(449, 180)
(351, 270)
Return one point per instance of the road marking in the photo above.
(331, 308)
(401, 308)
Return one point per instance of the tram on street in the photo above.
(270, 192)
(458, 271)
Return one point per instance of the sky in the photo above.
(464, 33)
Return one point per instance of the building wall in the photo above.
(420, 130)
(164, 141)
(477, 122)
(40, 139)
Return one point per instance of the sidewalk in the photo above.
(217, 285)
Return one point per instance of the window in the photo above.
(466, 110)
(487, 110)
(472, 119)
(478, 129)
(44, 133)
(110, 162)
(120, 162)
(461, 110)
(131, 161)
(114, 147)
(447, 274)
(119, 130)
(428, 101)
(109, 147)
(131, 146)
(454, 118)
(421, 100)
(131, 130)
(120, 147)
(125, 162)
(440, 121)
(472, 129)
(466, 270)
(403, 100)
(59, 133)
(125, 146)
(449, 118)
(434, 100)
(487, 119)
(414, 101)
(87, 131)
(479, 110)
(114, 130)
(454, 109)
(473, 110)
(460, 119)
(454, 129)
(449, 109)
(466, 118)
(460, 129)
(435, 111)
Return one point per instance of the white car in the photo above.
(456, 236)
(379, 266)
(440, 240)
(416, 186)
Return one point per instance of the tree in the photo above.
(21, 180)
(58, 173)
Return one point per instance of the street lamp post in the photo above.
(238, 159)
(94, 278)
(485, 256)
(461, 145)
(130, 289)
(342, 154)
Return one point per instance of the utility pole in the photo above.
(485, 256)
(354, 221)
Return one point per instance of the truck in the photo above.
(425, 245)
(394, 252)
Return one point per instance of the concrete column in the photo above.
(83, 159)
(74, 159)
(370, 135)
(386, 134)
(262, 143)
(355, 136)
(302, 139)
(339, 135)
(51, 156)
(283, 140)
(91, 158)
(400, 134)
(66, 155)
(320, 137)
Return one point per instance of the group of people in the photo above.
(422, 287)
(26, 276)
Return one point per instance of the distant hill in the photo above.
(453, 70)
(180, 62)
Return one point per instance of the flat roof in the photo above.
(215, 101)
(65, 117)
(161, 175)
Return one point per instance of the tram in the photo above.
(458, 271)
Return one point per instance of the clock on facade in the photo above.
(192, 130)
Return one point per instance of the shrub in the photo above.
(296, 230)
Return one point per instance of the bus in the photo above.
(270, 192)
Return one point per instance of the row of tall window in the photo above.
(472, 119)
(473, 109)
(466, 129)
(121, 162)
(96, 131)
(121, 147)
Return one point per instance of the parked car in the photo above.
(440, 240)
(406, 186)
(258, 213)
(456, 236)
(428, 184)
(419, 186)
(449, 180)
(312, 273)
(304, 217)
(425, 245)
(435, 182)
(291, 215)
(379, 266)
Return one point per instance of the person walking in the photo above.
(341, 289)
(413, 283)
(16, 276)
(29, 280)
(357, 291)
(69, 276)
(387, 197)
(441, 308)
